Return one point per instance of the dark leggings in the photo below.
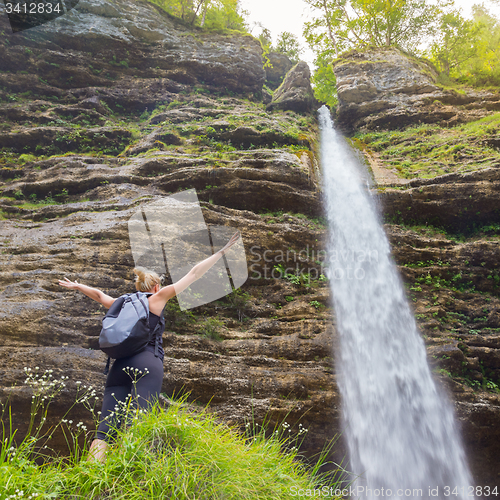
(119, 386)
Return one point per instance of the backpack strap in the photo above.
(106, 370)
(143, 304)
(160, 323)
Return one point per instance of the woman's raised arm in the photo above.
(169, 291)
(93, 293)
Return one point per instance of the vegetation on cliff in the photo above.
(178, 452)
(468, 50)
(426, 151)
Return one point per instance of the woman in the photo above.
(119, 384)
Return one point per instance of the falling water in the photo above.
(399, 427)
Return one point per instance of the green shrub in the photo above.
(316, 304)
(238, 302)
(175, 318)
(24, 158)
(210, 328)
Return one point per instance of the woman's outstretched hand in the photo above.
(69, 284)
(230, 243)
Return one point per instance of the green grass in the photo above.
(167, 453)
(199, 137)
(427, 151)
(488, 232)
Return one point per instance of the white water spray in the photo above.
(399, 427)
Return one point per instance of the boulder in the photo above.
(280, 66)
(385, 88)
(295, 93)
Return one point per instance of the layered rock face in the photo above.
(444, 229)
(384, 88)
(127, 39)
(116, 105)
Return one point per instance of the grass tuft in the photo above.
(426, 151)
(163, 453)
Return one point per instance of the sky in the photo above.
(289, 15)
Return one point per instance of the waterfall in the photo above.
(399, 427)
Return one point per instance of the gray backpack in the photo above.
(125, 327)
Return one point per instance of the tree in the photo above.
(382, 23)
(456, 43)
(484, 68)
(182, 9)
(397, 23)
(327, 35)
(468, 49)
(224, 14)
(328, 28)
(323, 79)
(266, 42)
(288, 44)
(210, 14)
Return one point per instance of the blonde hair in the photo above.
(145, 279)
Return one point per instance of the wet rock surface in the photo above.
(459, 203)
(280, 66)
(128, 40)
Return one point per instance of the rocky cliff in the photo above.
(384, 88)
(115, 105)
(434, 156)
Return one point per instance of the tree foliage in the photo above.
(210, 14)
(400, 23)
(468, 49)
(463, 49)
(323, 79)
(328, 30)
(288, 44)
(456, 42)
(344, 24)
